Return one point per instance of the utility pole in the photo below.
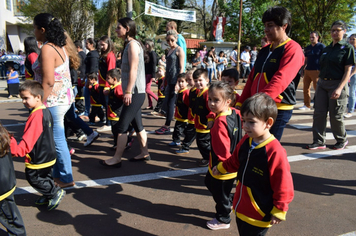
(129, 8)
(239, 42)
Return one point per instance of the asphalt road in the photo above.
(167, 196)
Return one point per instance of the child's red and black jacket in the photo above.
(182, 105)
(193, 93)
(202, 112)
(264, 182)
(37, 144)
(115, 103)
(225, 134)
(95, 95)
(274, 74)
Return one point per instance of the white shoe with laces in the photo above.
(214, 224)
(347, 115)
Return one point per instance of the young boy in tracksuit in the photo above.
(115, 100)
(95, 99)
(190, 129)
(37, 146)
(265, 186)
(202, 114)
(181, 110)
(10, 216)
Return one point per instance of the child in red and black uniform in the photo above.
(115, 100)
(225, 134)
(161, 71)
(231, 76)
(190, 129)
(37, 146)
(265, 186)
(95, 101)
(10, 216)
(202, 112)
(181, 110)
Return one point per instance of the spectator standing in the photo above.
(311, 72)
(79, 99)
(352, 96)
(172, 25)
(175, 62)
(162, 61)
(233, 57)
(336, 62)
(52, 70)
(150, 71)
(196, 61)
(91, 66)
(32, 51)
(133, 86)
(253, 54)
(202, 55)
(245, 58)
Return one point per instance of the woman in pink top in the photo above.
(51, 69)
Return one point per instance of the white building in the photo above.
(12, 35)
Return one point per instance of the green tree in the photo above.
(77, 16)
(252, 26)
(309, 16)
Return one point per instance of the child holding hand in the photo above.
(37, 146)
(10, 216)
(265, 186)
(225, 134)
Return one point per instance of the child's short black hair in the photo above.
(231, 73)
(261, 106)
(181, 75)
(114, 73)
(200, 72)
(33, 86)
(93, 75)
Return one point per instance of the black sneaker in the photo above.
(315, 146)
(54, 202)
(340, 146)
(43, 200)
(203, 163)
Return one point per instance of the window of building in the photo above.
(18, 4)
(8, 5)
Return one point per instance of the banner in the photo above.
(153, 9)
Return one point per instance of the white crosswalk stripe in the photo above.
(179, 173)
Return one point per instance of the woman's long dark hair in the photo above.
(31, 46)
(128, 23)
(110, 48)
(53, 28)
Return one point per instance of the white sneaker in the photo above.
(91, 138)
(305, 108)
(104, 128)
(347, 115)
(214, 224)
